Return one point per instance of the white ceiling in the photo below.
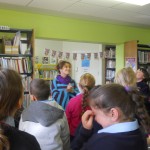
(99, 10)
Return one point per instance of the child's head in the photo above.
(126, 77)
(64, 67)
(112, 103)
(87, 82)
(39, 89)
(11, 92)
(142, 74)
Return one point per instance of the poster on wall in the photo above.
(85, 64)
(130, 62)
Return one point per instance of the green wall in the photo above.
(76, 30)
(73, 29)
(119, 56)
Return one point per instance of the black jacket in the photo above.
(19, 140)
(133, 140)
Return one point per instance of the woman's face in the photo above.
(66, 69)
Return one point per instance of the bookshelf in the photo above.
(141, 53)
(45, 71)
(16, 52)
(110, 63)
(144, 56)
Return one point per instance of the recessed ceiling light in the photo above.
(136, 2)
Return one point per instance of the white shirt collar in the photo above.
(121, 127)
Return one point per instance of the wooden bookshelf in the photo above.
(141, 53)
(17, 52)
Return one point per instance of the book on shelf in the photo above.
(111, 64)
(110, 74)
(20, 64)
(49, 75)
(144, 57)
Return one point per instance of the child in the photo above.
(45, 119)
(126, 77)
(11, 97)
(115, 108)
(79, 104)
(63, 87)
(142, 76)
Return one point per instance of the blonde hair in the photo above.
(87, 82)
(126, 77)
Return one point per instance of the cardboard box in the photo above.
(14, 50)
(11, 49)
(7, 49)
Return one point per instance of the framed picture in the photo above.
(45, 60)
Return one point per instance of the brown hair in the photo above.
(4, 143)
(145, 74)
(40, 89)
(87, 82)
(129, 101)
(61, 64)
(11, 91)
(126, 77)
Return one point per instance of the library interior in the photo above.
(62, 42)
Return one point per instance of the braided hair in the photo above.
(4, 143)
(87, 82)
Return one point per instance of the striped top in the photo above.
(60, 94)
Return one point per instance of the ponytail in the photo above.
(140, 110)
(84, 100)
(4, 143)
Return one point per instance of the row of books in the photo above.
(111, 64)
(110, 53)
(47, 75)
(20, 64)
(110, 74)
(144, 57)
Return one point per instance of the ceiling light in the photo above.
(136, 2)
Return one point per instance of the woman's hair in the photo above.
(40, 89)
(128, 100)
(126, 77)
(4, 143)
(11, 91)
(145, 74)
(87, 82)
(61, 64)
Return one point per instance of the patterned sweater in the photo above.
(60, 94)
